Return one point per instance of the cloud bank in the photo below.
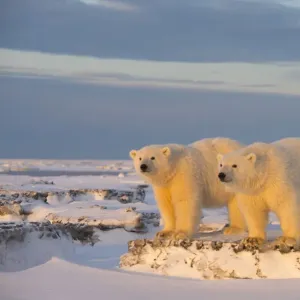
(183, 30)
(243, 77)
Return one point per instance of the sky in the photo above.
(97, 78)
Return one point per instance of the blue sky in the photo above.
(95, 78)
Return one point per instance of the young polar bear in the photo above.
(184, 179)
(266, 177)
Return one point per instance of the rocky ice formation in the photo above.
(211, 259)
(20, 196)
(10, 209)
(103, 219)
(12, 231)
(39, 182)
(22, 205)
(97, 216)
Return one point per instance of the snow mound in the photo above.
(17, 166)
(96, 216)
(102, 218)
(209, 260)
(23, 244)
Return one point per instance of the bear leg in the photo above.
(288, 215)
(256, 216)
(188, 212)
(165, 206)
(237, 224)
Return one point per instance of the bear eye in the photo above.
(152, 158)
(140, 158)
(234, 166)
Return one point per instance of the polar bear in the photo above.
(184, 179)
(266, 178)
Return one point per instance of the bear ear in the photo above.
(251, 157)
(132, 153)
(166, 151)
(219, 157)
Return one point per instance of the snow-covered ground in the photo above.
(119, 207)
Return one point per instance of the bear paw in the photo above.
(284, 244)
(164, 234)
(233, 230)
(180, 235)
(250, 244)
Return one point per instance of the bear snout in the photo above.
(222, 176)
(144, 167)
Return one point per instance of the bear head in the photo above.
(154, 163)
(241, 171)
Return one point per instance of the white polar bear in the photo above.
(266, 177)
(184, 179)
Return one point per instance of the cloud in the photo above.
(259, 85)
(111, 4)
(92, 80)
(59, 119)
(187, 31)
(243, 77)
(289, 3)
(226, 4)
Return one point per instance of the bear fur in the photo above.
(266, 178)
(184, 180)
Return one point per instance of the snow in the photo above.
(60, 279)
(18, 256)
(63, 165)
(63, 268)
